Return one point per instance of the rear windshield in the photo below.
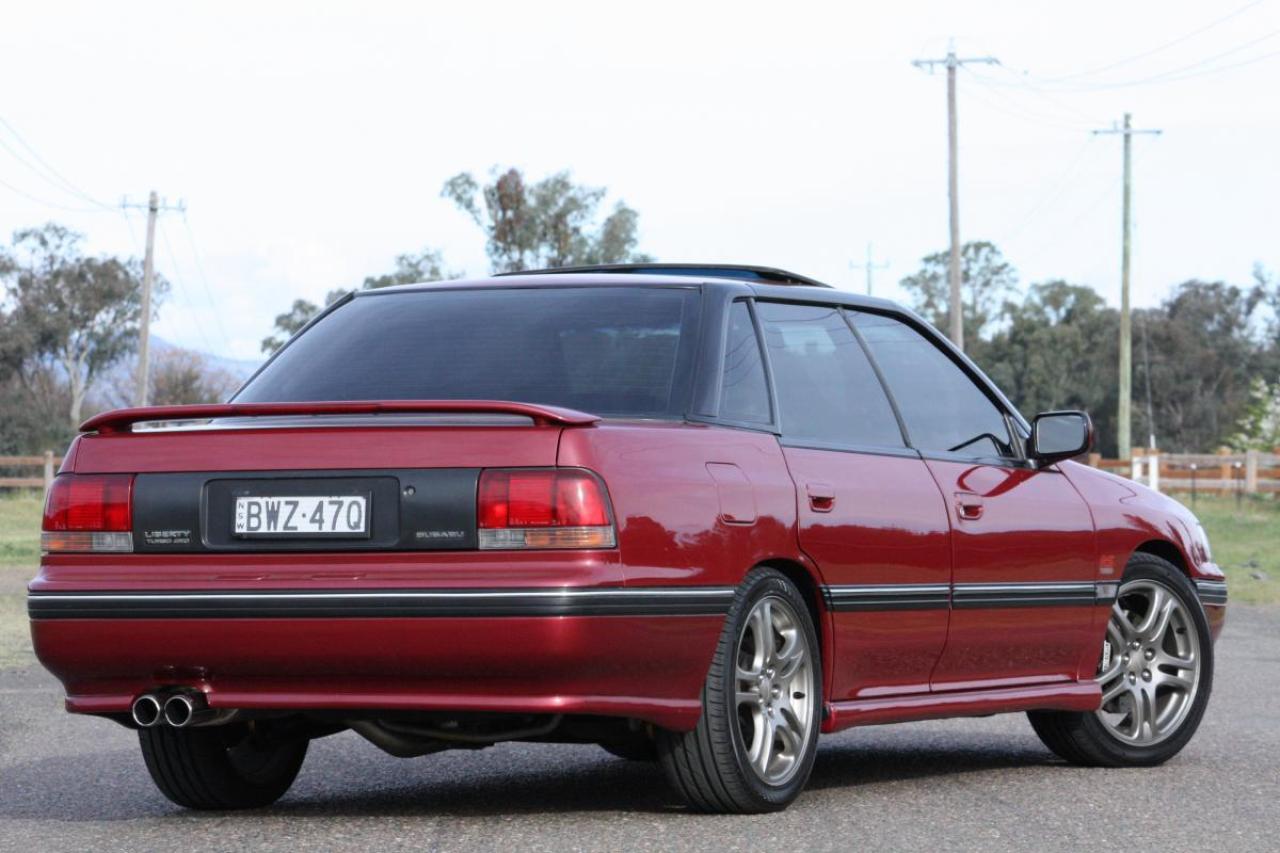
(622, 351)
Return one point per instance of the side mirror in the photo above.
(1060, 435)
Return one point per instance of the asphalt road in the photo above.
(74, 783)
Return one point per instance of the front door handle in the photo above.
(822, 496)
(968, 507)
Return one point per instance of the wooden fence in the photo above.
(47, 464)
(1223, 473)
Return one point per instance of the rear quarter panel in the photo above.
(671, 528)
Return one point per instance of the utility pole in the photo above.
(952, 62)
(153, 207)
(870, 267)
(1124, 411)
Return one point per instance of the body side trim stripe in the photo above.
(968, 595)
(241, 604)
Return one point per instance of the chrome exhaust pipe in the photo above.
(183, 709)
(146, 711)
(188, 710)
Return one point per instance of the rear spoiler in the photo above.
(121, 420)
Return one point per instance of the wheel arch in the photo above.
(811, 589)
(1167, 551)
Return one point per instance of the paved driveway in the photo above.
(73, 783)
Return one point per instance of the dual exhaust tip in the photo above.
(178, 710)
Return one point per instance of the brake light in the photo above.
(543, 508)
(89, 512)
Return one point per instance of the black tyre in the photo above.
(753, 748)
(236, 766)
(1156, 672)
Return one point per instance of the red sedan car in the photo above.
(694, 514)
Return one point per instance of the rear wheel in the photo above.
(753, 748)
(221, 767)
(1156, 672)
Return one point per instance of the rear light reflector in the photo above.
(89, 512)
(544, 508)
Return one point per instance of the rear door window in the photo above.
(828, 392)
(944, 409)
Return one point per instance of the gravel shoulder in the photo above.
(71, 783)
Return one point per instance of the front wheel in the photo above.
(754, 747)
(236, 766)
(1156, 671)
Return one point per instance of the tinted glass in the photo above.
(744, 393)
(827, 390)
(943, 408)
(608, 351)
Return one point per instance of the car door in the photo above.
(869, 514)
(1023, 547)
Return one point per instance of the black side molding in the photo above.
(381, 604)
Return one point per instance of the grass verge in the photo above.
(19, 557)
(1244, 537)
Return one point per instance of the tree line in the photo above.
(1206, 359)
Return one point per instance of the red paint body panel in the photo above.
(1031, 526)
(695, 505)
(647, 668)
(886, 525)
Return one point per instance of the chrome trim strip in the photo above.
(1212, 592)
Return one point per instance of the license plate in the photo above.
(289, 516)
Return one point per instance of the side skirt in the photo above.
(1067, 696)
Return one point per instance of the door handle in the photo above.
(822, 496)
(968, 507)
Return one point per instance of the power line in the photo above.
(53, 176)
(45, 202)
(204, 281)
(1153, 51)
(178, 279)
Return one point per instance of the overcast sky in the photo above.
(310, 141)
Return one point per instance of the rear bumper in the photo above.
(613, 651)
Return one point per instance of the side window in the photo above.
(744, 392)
(941, 405)
(827, 390)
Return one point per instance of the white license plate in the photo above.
(301, 515)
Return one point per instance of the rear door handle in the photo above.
(968, 507)
(822, 496)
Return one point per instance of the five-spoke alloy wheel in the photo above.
(1150, 668)
(1155, 673)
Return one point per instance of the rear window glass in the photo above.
(623, 351)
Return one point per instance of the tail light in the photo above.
(89, 512)
(544, 508)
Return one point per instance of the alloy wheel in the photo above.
(774, 683)
(1150, 668)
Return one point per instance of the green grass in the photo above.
(20, 528)
(1245, 541)
(19, 557)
